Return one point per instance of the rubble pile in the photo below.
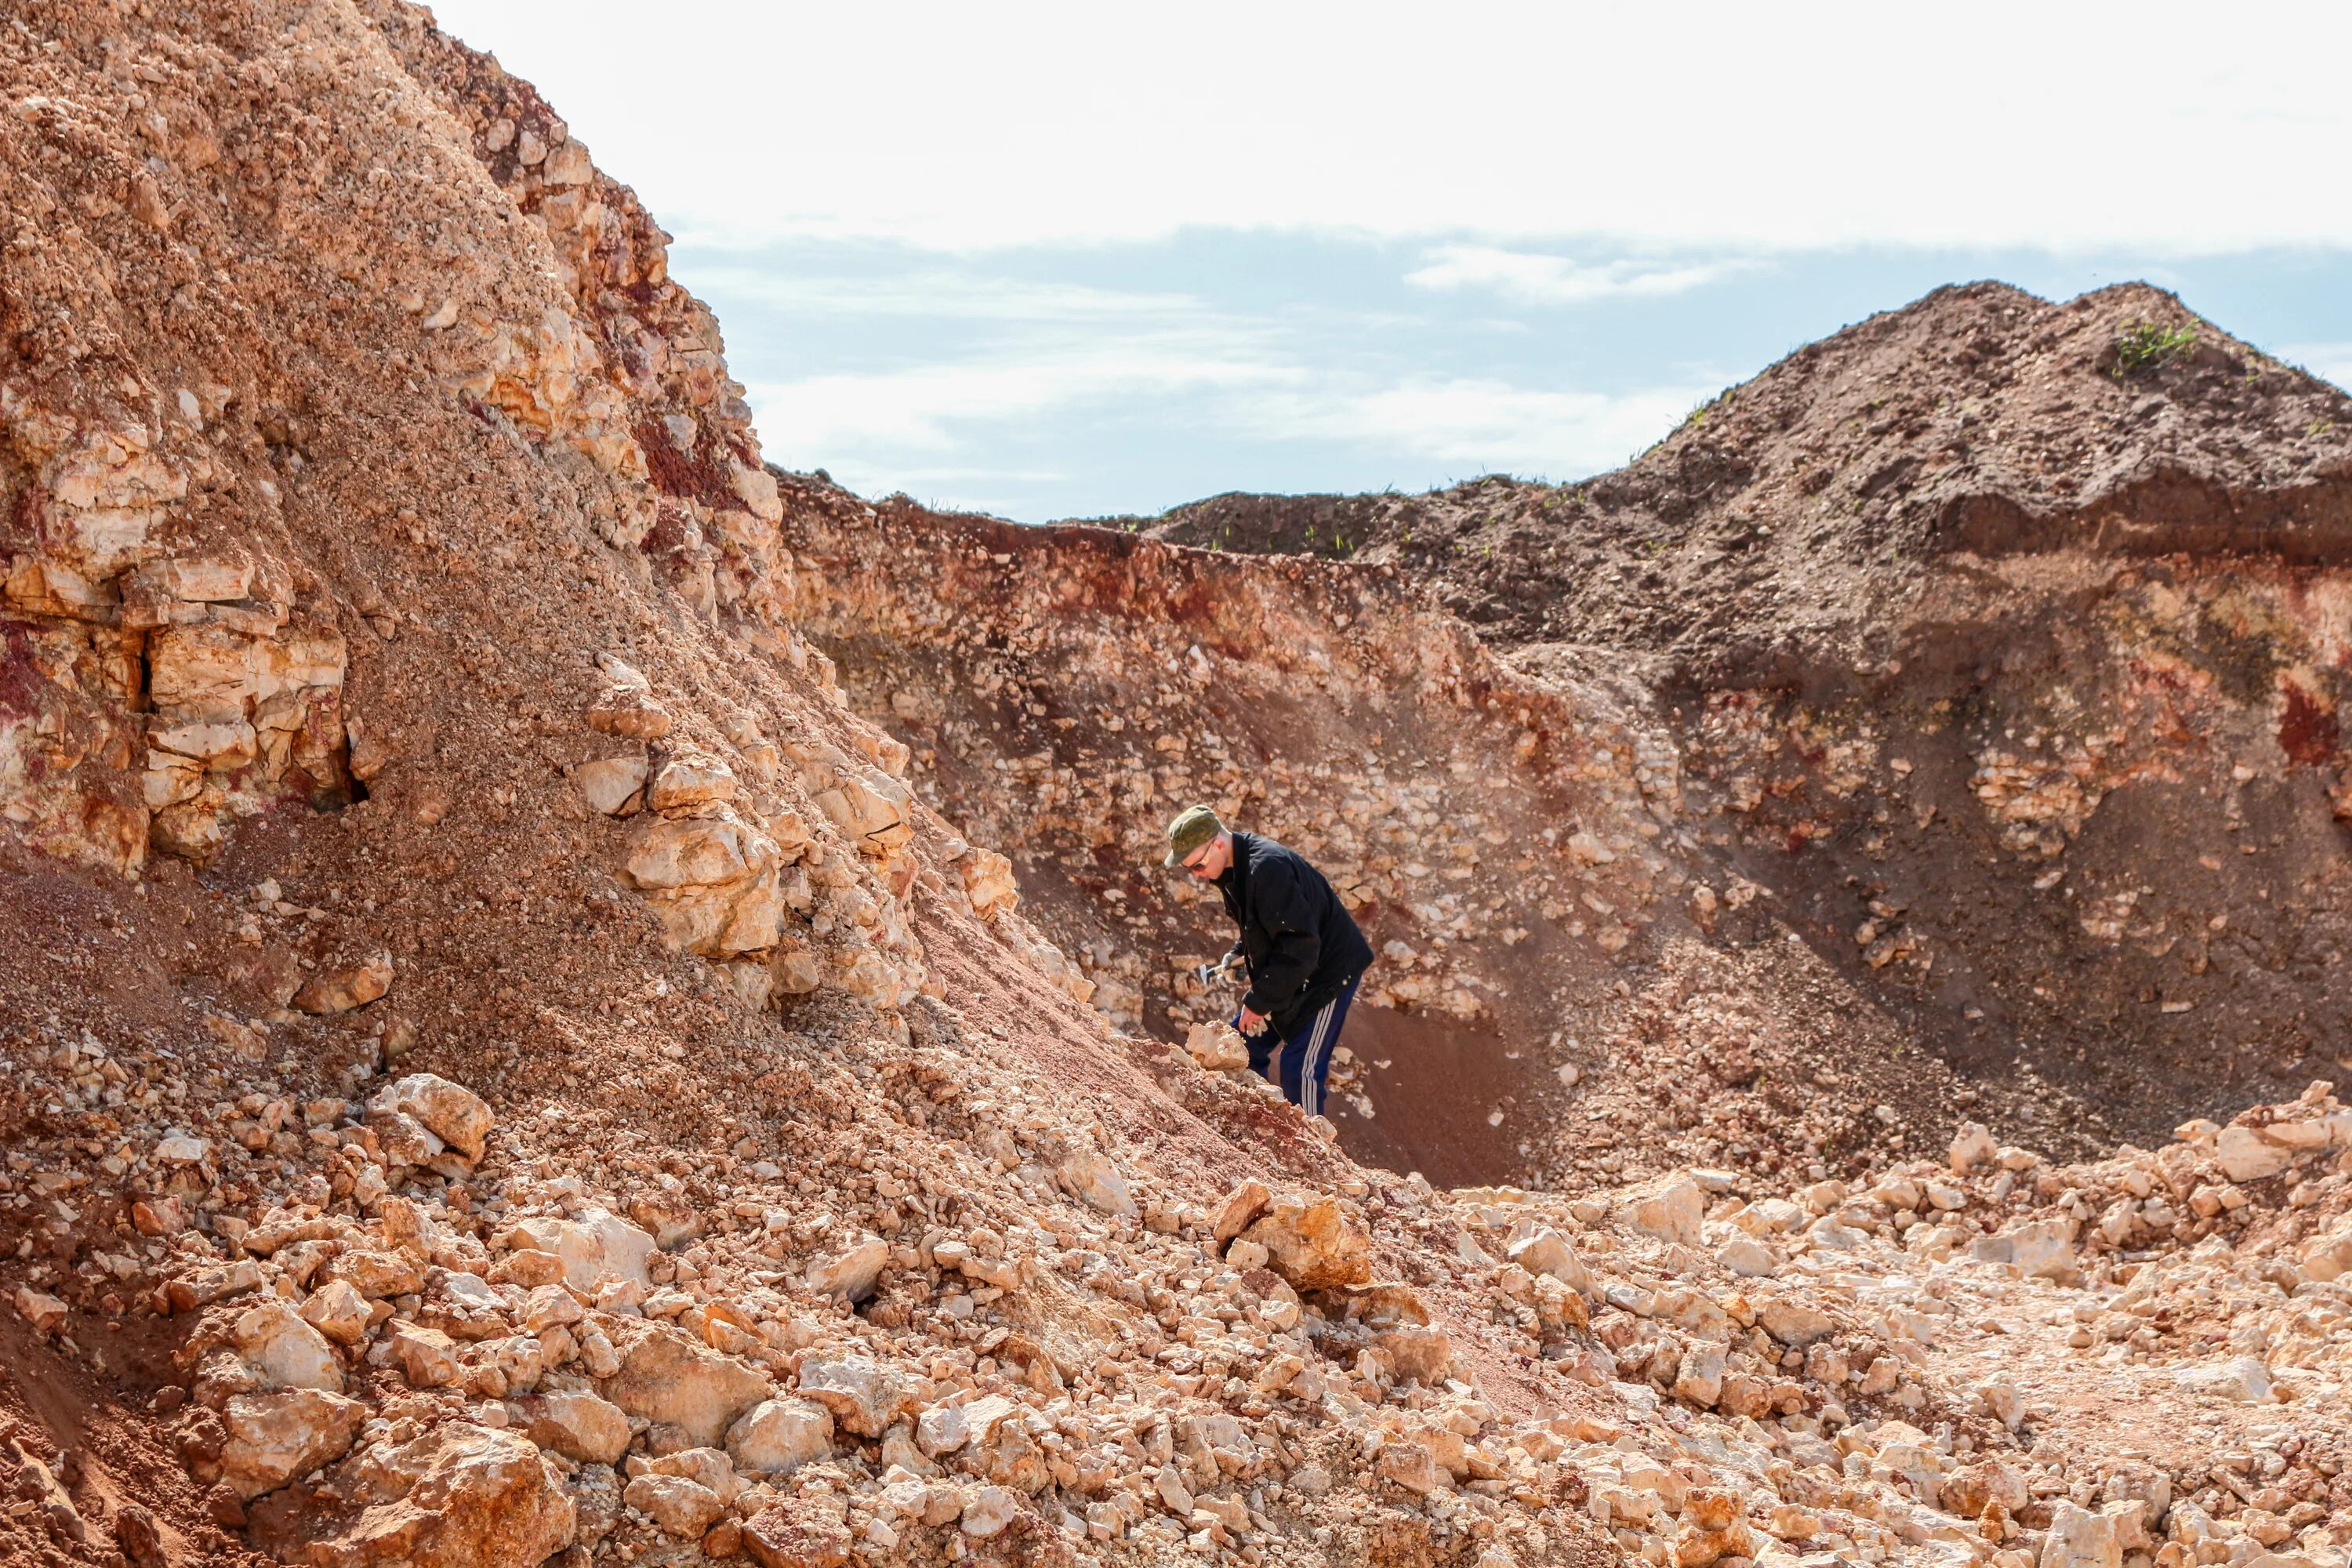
(481, 1343)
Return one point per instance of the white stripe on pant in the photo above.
(1310, 1087)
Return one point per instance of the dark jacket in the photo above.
(1299, 942)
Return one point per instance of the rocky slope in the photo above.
(504, 1063)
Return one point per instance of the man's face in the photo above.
(1211, 860)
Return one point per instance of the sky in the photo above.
(1082, 261)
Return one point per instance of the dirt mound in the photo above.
(1775, 532)
(500, 1063)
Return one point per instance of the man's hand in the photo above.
(1252, 1022)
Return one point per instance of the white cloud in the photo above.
(941, 407)
(866, 428)
(1718, 122)
(1537, 278)
(901, 289)
(1487, 425)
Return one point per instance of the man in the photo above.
(1298, 945)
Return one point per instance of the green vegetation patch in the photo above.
(2145, 346)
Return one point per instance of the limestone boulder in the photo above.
(850, 1270)
(1549, 1252)
(864, 1396)
(1699, 1379)
(677, 1505)
(943, 1430)
(2041, 1249)
(707, 1468)
(288, 1352)
(612, 785)
(459, 1495)
(1972, 1146)
(2328, 1256)
(2079, 1539)
(988, 882)
(873, 808)
(1216, 1046)
(666, 1376)
(216, 1282)
(342, 990)
(597, 1245)
(2242, 1380)
(778, 1436)
(577, 1425)
(1422, 1355)
(2246, 1155)
(797, 969)
(1793, 1323)
(275, 1437)
(451, 1112)
(404, 1140)
(1670, 1207)
(202, 674)
(338, 1312)
(1002, 1449)
(715, 881)
(550, 1306)
(426, 1357)
(374, 1274)
(672, 1217)
(1971, 1488)
(2002, 1401)
(1094, 1180)
(528, 1270)
(1237, 1210)
(194, 579)
(41, 1308)
(796, 1533)
(1313, 1243)
(990, 1511)
(1409, 1465)
(1713, 1528)
(1770, 1216)
(630, 713)
(688, 782)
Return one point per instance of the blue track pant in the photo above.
(1306, 1052)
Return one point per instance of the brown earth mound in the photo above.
(1776, 536)
(501, 1063)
